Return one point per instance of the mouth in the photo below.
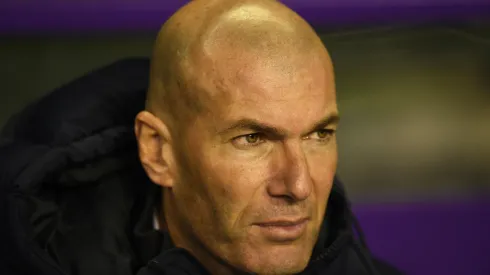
(283, 230)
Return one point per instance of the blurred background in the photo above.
(413, 83)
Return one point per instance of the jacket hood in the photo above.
(73, 193)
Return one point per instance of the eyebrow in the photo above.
(257, 126)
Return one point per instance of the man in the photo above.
(238, 133)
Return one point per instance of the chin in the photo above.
(281, 267)
(279, 259)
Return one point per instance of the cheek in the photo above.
(236, 185)
(322, 170)
(323, 167)
(322, 162)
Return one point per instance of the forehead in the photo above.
(285, 90)
(280, 81)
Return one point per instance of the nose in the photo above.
(294, 179)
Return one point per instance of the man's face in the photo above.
(256, 168)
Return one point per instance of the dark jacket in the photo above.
(74, 198)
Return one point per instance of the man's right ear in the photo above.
(155, 148)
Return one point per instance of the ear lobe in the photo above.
(155, 149)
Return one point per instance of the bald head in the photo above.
(207, 43)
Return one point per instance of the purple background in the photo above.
(55, 16)
(421, 238)
(430, 238)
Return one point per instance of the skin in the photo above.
(240, 130)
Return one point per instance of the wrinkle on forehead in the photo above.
(231, 71)
(242, 75)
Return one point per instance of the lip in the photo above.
(283, 222)
(283, 230)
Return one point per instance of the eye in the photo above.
(253, 139)
(324, 134)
